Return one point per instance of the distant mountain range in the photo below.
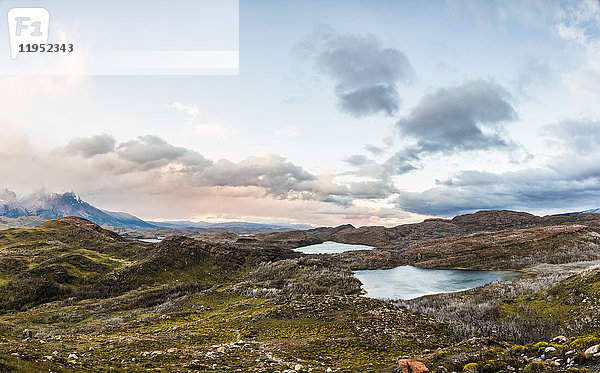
(233, 224)
(592, 211)
(46, 206)
(55, 205)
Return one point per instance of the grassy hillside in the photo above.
(75, 297)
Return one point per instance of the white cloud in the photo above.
(191, 110)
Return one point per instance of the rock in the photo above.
(27, 334)
(172, 349)
(549, 349)
(298, 367)
(560, 339)
(72, 356)
(592, 351)
(221, 349)
(412, 366)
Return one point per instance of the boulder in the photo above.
(412, 366)
(560, 339)
(592, 351)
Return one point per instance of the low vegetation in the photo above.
(75, 297)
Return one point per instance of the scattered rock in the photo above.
(591, 351)
(27, 334)
(412, 366)
(560, 339)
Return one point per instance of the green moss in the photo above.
(471, 367)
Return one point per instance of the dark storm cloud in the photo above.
(365, 73)
(91, 146)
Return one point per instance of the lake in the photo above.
(150, 240)
(407, 282)
(329, 247)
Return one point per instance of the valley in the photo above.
(76, 297)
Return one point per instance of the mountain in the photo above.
(55, 205)
(233, 224)
(46, 206)
(591, 211)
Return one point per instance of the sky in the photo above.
(360, 112)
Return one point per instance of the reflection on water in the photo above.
(408, 282)
(329, 247)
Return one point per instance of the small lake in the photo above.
(329, 247)
(407, 282)
(149, 240)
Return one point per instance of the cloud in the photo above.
(271, 172)
(579, 25)
(89, 147)
(375, 150)
(191, 110)
(152, 151)
(152, 178)
(579, 135)
(365, 73)
(461, 118)
(454, 118)
(358, 160)
(533, 73)
(569, 181)
(538, 189)
(371, 189)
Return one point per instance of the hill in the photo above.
(77, 297)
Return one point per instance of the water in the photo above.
(408, 282)
(329, 247)
(149, 240)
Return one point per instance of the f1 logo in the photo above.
(27, 26)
